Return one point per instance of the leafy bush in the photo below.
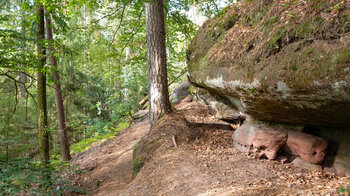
(26, 176)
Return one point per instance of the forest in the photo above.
(91, 103)
(87, 60)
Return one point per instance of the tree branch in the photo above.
(108, 15)
(121, 21)
(15, 82)
(137, 30)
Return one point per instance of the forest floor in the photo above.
(209, 164)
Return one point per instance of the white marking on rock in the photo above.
(340, 84)
(317, 83)
(283, 88)
(219, 82)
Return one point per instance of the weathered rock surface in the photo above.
(282, 159)
(180, 92)
(338, 156)
(259, 141)
(268, 142)
(277, 66)
(311, 148)
(285, 62)
(219, 106)
(299, 162)
(263, 140)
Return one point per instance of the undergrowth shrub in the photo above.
(25, 176)
(102, 132)
(345, 190)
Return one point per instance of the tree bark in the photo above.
(22, 75)
(58, 92)
(156, 61)
(41, 86)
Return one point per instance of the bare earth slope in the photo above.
(109, 165)
(204, 162)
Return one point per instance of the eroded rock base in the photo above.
(312, 148)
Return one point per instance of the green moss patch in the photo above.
(137, 163)
(248, 38)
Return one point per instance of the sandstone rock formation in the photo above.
(279, 62)
(264, 140)
(310, 148)
(259, 141)
(219, 106)
(283, 63)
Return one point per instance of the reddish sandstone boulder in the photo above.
(259, 140)
(243, 137)
(267, 142)
(311, 148)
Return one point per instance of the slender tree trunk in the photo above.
(158, 96)
(22, 75)
(58, 92)
(7, 126)
(85, 87)
(41, 86)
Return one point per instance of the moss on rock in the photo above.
(297, 52)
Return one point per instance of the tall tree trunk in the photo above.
(22, 75)
(158, 95)
(58, 92)
(85, 87)
(41, 86)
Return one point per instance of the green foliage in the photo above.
(254, 18)
(100, 48)
(345, 190)
(24, 176)
(276, 39)
(309, 26)
(100, 134)
(249, 1)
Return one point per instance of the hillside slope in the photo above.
(205, 162)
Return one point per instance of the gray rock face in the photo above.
(220, 107)
(180, 92)
(311, 148)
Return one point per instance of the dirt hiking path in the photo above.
(205, 164)
(109, 165)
